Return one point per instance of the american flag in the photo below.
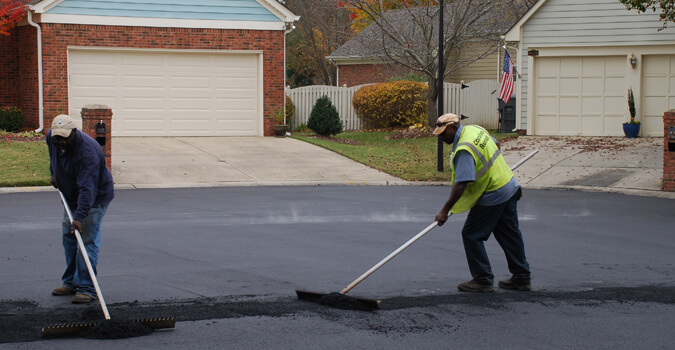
(507, 79)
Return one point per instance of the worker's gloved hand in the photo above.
(442, 217)
(52, 180)
(77, 224)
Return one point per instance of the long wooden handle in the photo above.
(520, 162)
(389, 257)
(83, 251)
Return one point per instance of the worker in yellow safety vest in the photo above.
(483, 184)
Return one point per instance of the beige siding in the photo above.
(484, 69)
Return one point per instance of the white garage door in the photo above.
(583, 96)
(658, 93)
(155, 93)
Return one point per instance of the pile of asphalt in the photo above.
(345, 302)
(115, 329)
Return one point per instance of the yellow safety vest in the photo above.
(492, 172)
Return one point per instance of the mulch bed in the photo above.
(336, 140)
(16, 138)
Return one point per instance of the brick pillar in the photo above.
(92, 115)
(669, 151)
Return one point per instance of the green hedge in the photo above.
(11, 119)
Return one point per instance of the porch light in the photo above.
(633, 61)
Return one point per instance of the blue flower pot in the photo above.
(631, 130)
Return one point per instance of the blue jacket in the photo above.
(81, 174)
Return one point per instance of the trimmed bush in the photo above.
(324, 118)
(11, 119)
(392, 104)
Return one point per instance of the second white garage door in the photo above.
(583, 96)
(658, 93)
(159, 93)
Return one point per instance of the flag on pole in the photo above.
(507, 79)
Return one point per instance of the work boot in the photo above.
(514, 283)
(81, 298)
(63, 290)
(475, 286)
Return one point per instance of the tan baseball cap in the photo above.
(62, 125)
(445, 120)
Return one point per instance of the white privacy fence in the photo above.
(478, 101)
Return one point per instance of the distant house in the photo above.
(362, 59)
(579, 58)
(166, 68)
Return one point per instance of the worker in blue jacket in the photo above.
(78, 169)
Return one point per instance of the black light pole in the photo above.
(440, 82)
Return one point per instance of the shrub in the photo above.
(324, 118)
(11, 119)
(392, 104)
(290, 109)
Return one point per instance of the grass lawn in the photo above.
(412, 159)
(23, 163)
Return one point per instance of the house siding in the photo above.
(585, 23)
(238, 10)
(58, 37)
(484, 69)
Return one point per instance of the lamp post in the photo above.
(440, 81)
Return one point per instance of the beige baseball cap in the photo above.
(445, 120)
(62, 125)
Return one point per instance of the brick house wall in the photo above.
(358, 74)
(668, 153)
(57, 37)
(9, 96)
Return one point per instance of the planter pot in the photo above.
(631, 130)
(280, 130)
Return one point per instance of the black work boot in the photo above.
(516, 284)
(475, 286)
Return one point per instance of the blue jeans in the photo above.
(77, 275)
(502, 220)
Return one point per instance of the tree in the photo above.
(11, 12)
(322, 28)
(667, 8)
(408, 36)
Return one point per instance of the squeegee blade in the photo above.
(307, 295)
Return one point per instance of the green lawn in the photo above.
(412, 159)
(23, 163)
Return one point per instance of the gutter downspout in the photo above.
(40, 80)
(289, 27)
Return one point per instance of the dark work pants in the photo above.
(502, 220)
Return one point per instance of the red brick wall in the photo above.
(358, 74)
(8, 70)
(668, 156)
(27, 86)
(57, 37)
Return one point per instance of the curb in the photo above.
(626, 191)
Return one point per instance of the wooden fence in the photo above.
(478, 101)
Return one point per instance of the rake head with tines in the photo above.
(70, 329)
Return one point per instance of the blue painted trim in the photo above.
(232, 10)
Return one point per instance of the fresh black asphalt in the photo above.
(227, 261)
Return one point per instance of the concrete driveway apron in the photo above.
(140, 162)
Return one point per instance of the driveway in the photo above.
(242, 161)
